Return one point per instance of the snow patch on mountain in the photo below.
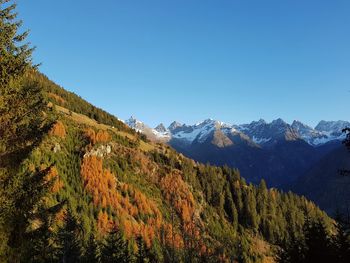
(158, 134)
(198, 132)
(260, 140)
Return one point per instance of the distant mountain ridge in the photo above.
(259, 132)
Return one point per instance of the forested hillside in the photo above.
(77, 185)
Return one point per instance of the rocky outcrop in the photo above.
(101, 151)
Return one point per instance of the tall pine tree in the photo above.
(22, 126)
(92, 251)
(115, 248)
(70, 249)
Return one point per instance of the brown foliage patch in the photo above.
(58, 129)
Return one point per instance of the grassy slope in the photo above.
(83, 119)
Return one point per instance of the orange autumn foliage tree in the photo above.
(90, 134)
(52, 176)
(104, 223)
(93, 137)
(171, 236)
(103, 136)
(58, 129)
(61, 215)
(176, 191)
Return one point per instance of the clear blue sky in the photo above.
(236, 61)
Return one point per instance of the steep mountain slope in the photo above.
(109, 176)
(279, 165)
(324, 183)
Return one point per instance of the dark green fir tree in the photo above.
(115, 248)
(22, 127)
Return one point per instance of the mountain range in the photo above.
(282, 154)
(259, 133)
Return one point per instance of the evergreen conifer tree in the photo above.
(142, 251)
(92, 251)
(342, 241)
(68, 240)
(293, 251)
(22, 126)
(115, 248)
(43, 247)
(317, 241)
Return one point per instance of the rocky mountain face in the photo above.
(310, 135)
(269, 133)
(160, 128)
(277, 151)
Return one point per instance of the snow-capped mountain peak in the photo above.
(278, 122)
(199, 131)
(264, 133)
(298, 125)
(135, 124)
(308, 134)
(332, 126)
(174, 125)
(159, 133)
(160, 128)
(331, 130)
(131, 120)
